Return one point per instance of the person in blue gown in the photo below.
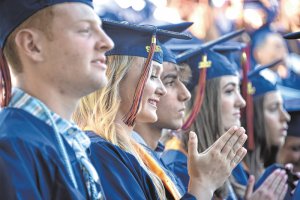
(221, 102)
(42, 153)
(112, 112)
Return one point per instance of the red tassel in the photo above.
(129, 118)
(5, 81)
(246, 92)
(199, 95)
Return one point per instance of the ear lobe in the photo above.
(29, 44)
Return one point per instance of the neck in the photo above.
(57, 101)
(149, 133)
(120, 123)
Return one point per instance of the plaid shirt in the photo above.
(70, 131)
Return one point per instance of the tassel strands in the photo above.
(129, 118)
(247, 92)
(203, 65)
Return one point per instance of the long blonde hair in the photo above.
(98, 112)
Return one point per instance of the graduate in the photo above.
(220, 110)
(42, 153)
(290, 151)
(270, 121)
(134, 82)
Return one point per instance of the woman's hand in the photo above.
(210, 169)
(274, 187)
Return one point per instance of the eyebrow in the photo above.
(171, 75)
(230, 83)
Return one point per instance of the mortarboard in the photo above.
(205, 64)
(141, 41)
(292, 36)
(259, 84)
(12, 14)
(168, 55)
(232, 51)
(136, 39)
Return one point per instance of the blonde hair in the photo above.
(99, 109)
(42, 20)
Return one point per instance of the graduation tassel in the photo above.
(247, 92)
(129, 118)
(203, 65)
(5, 81)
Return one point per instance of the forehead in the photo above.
(74, 12)
(169, 68)
(272, 97)
(229, 79)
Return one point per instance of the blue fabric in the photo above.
(15, 12)
(259, 83)
(136, 39)
(70, 131)
(30, 158)
(219, 66)
(176, 161)
(171, 175)
(240, 175)
(168, 55)
(122, 176)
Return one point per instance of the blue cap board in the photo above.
(14, 12)
(168, 55)
(260, 85)
(292, 36)
(135, 40)
(217, 64)
(233, 52)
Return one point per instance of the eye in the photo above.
(152, 77)
(85, 30)
(169, 83)
(229, 91)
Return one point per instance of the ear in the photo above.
(29, 43)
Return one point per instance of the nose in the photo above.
(161, 90)
(104, 42)
(284, 115)
(240, 101)
(183, 94)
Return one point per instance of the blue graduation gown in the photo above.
(121, 175)
(176, 161)
(30, 163)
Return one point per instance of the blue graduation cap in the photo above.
(205, 64)
(135, 40)
(258, 38)
(15, 12)
(141, 41)
(292, 105)
(169, 56)
(259, 84)
(12, 14)
(202, 55)
(292, 36)
(232, 51)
